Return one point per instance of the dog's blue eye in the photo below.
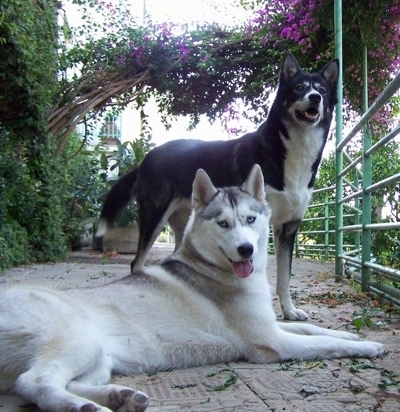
(251, 219)
(223, 223)
(322, 90)
(299, 88)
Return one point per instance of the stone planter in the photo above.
(123, 239)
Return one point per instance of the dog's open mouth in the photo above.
(310, 115)
(244, 268)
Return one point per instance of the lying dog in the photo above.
(208, 303)
(288, 147)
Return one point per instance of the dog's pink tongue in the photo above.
(243, 269)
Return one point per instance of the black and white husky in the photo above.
(208, 303)
(288, 147)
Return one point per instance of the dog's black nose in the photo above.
(315, 97)
(245, 250)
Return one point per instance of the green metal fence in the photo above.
(317, 233)
(344, 221)
(360, 263)
(348, 236)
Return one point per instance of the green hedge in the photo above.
(43, 198)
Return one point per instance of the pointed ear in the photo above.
(331, 72)
(289, 67)
(203, 190)
(254, 184)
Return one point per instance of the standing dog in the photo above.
(208, 303)
(288, 147)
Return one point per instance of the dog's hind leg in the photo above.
(178, 220)
(284, 238)
(152, 219)
(61, 357)
(45, 386)
(115, 397)
(147, 236)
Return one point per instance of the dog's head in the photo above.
(229, 226)
(307, 99)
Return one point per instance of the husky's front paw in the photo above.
(128, 400)
(294, 314)
(373, 349)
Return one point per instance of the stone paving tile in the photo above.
(196, 389)
(65, 275)
(338, 385)
(305, 383)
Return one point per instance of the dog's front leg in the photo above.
(284, 237)
(116, 397)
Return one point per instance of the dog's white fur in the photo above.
(58, 348)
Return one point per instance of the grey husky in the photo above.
(288, 147)
(208, 303)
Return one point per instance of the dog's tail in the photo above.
(120, 195)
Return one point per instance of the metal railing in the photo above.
(359, 263)
(339, 224)
(316, 235)
(347, 236)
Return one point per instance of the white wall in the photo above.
(204, 131)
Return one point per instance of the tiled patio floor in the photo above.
(336, 385)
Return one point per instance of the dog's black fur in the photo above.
(162, 184)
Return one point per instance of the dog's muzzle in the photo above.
(310, 115)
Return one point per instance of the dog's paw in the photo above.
(372, 349)
(294, 314)
(128, 400)
(365, 349)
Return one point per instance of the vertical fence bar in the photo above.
(366, 181)
(326, 225)
(339, 128)
(357, 240)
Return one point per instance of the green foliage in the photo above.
(364, 319)
(370, 318)
(82, 185)
(386, 247)
(28, 32)
(229, 380)
(127, 156)
(14, 247)
(31, 208)
(388, 378)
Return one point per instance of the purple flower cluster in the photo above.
(135, 55)
(286, 20)
(183, 51)
(301, 26)
(384, 56)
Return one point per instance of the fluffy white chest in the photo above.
(302, 150)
